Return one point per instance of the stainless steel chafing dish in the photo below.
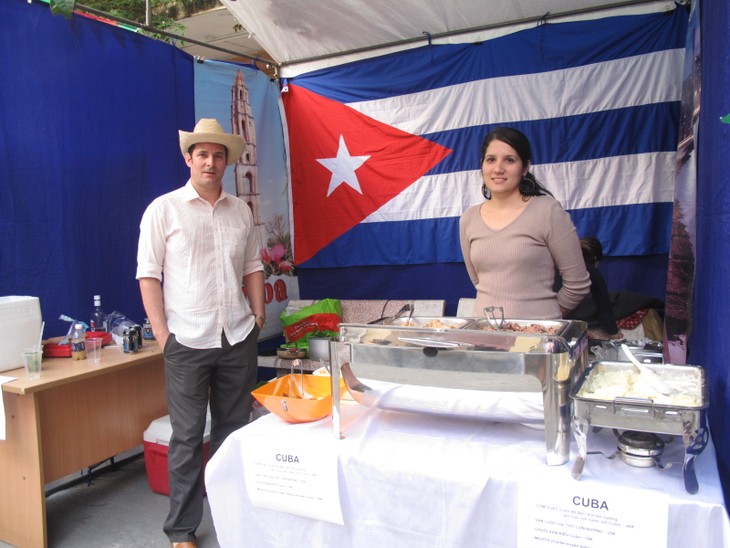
(681, 413)
(644, 351)
(463, 358)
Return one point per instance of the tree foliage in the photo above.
(163, 13)
(161, 16)
(62, 7)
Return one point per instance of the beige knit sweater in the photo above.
(515, 267)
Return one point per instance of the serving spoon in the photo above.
(649, 376)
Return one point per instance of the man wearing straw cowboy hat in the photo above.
(201, 241)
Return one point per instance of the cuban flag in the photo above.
(385, 152)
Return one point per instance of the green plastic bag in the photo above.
(321, 319)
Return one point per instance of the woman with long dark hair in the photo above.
(518, 238)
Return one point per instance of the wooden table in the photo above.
(76, 415)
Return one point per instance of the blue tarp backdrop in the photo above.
(87, 140)
(709, 344)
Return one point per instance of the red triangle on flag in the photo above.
(344, 166)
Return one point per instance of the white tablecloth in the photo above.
(421, 481)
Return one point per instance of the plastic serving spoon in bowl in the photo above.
(648, 375)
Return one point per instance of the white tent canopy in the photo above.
(305, 35)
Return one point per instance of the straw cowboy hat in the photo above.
(208, 130)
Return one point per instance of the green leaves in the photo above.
(62, 7)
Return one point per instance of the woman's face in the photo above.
(502, 169)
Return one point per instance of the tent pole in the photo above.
(147, 28)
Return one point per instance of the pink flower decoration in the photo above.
(278, 252)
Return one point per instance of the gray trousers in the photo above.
(223, 377)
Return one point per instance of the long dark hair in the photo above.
(529, 185)
(592, 249)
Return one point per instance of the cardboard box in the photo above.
(156, 440)
(20, 327)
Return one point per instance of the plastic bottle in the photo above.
(147, 330)
(98, 316)
(78, 344)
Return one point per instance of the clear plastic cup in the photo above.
(32, 358)
(93, 350)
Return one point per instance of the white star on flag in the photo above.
(343, 168)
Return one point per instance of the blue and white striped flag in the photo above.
(599, 100)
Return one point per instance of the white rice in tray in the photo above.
(606, 382)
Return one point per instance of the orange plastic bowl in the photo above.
(283, 397)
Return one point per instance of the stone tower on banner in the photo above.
(247, 185)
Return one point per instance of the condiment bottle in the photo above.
(78, 344)
(98, 316)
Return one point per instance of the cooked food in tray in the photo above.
(608, 381)
(532, 328)
(431, 322)
(435, 324)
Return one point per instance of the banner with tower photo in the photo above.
(245, 101)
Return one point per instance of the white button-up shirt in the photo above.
(201, 254)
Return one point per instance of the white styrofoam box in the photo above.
(20, 327)
(160, 431)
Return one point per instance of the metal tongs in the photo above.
(387, 320)
(402, 312)
(495, 316)
(292, 383)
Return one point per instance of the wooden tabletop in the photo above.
(59, 371)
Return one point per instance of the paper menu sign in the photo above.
(291, 475)
(590, 515)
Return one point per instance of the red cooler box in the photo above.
(156, 440)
